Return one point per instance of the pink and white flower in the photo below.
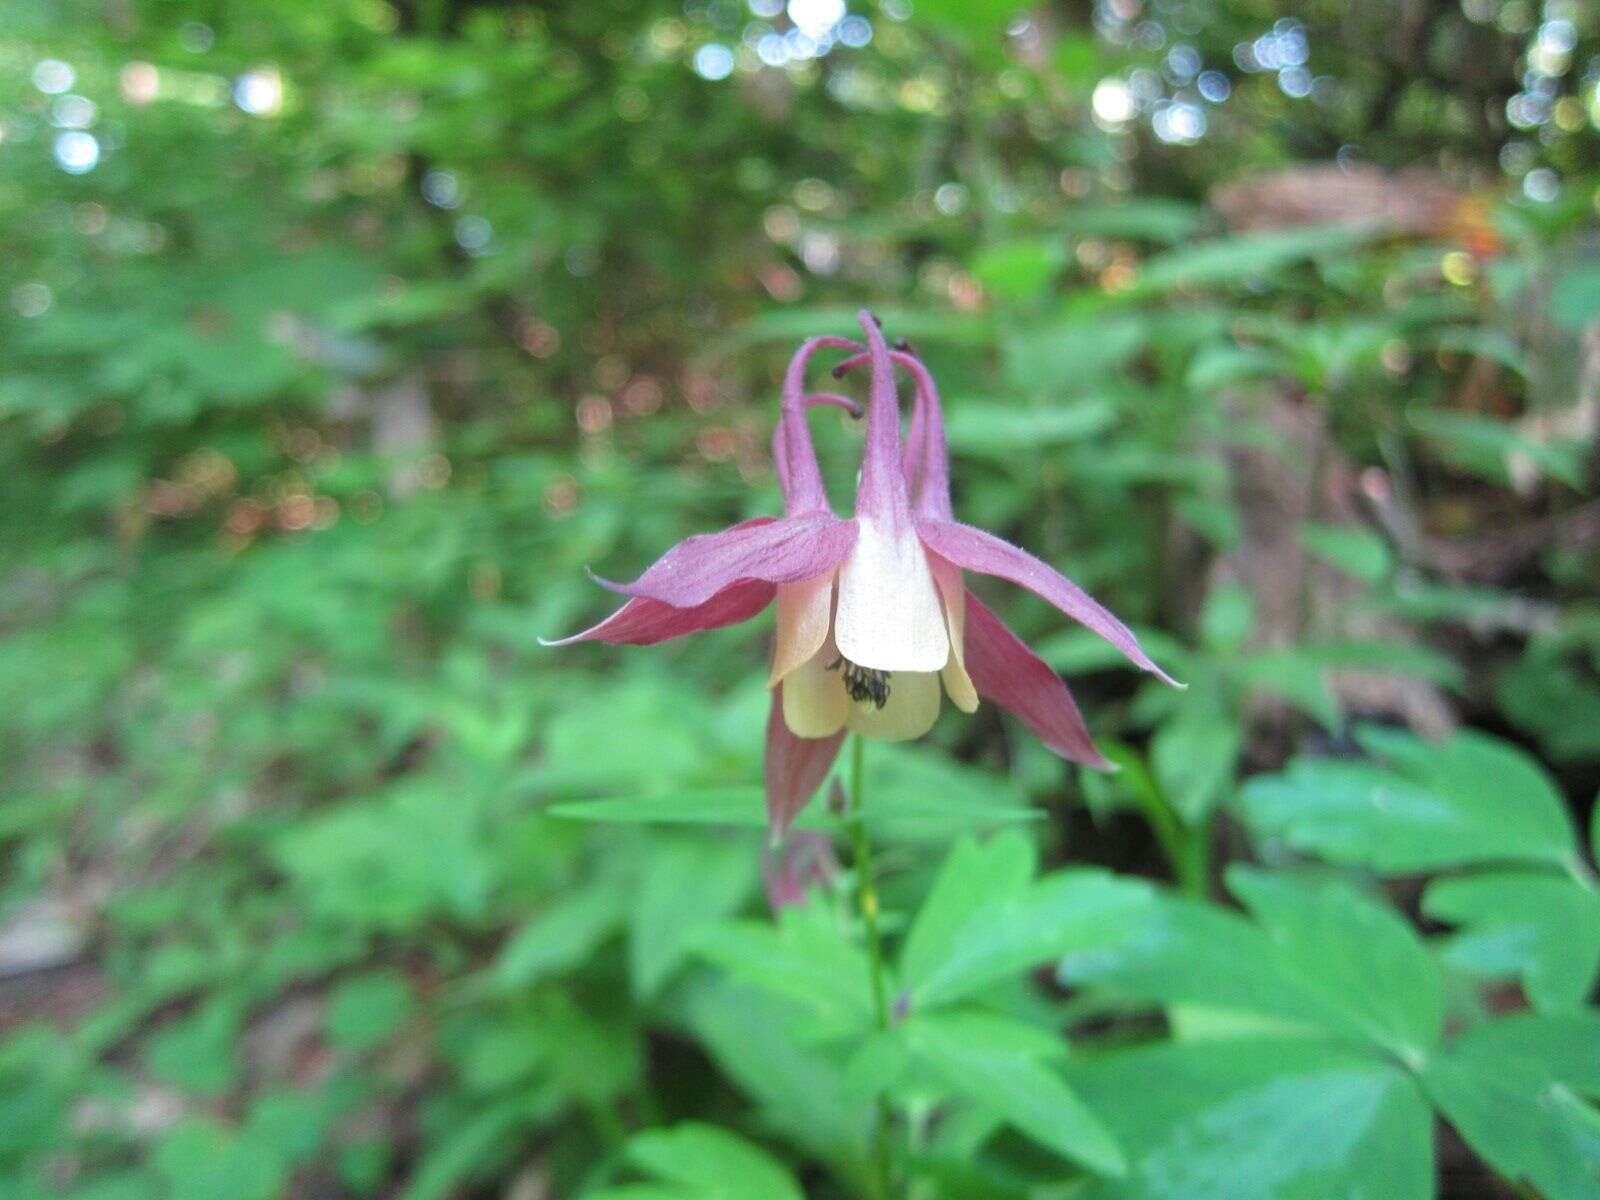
(875, 623)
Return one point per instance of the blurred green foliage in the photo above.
(337, 338)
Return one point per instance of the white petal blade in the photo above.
(889, 617)
(912, 709)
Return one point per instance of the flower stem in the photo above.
(867, 900)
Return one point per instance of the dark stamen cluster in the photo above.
(863, 683)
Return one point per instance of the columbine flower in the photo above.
(875, 623)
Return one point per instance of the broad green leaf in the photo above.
(983, 1060)
(562, 936)
(1195, 756)
(199, 1052)
(1483, 342)
(982, 22)
(1259, 1118)
(1223, 365)
(1555, 699)
(734, 805)
(1065, 356)
(712, 1164)
(687, 885)
(994, 430)
(916, 795)
(1306, 961)
(1019, 270)
(1575, 298)
(797, 1089)
(1486, 446)
(1357, 552)
(1226, 620)
(1467, 799)
(464, 1150)
(1521, 1091)
(910, 797)
(1148, 218)
(805, 959)
(1385, 658)
(1244, 256)
(365, 1011)
(200, 1159)
(1008, 934)
(1539, 926)
(1325, 931)
(1295, 677)
(974, 875)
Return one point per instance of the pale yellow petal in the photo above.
(815, 703)
(953, 591)
(804, 612)
(911, 711)
(888, 617)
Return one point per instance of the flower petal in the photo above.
(793, 454)
(815, 704)
(1019, 681)
(793, 768)
(646, 622)
(925, 461)
(979, 551)
(912, 709)
(957, 683)
(805, 610)
(882, 495)
(889, 617)
(781, 550)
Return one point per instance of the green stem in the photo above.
(1186, 847)
(867, 900)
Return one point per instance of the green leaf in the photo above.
(1485, 445)
(687, 885)
(1227, 617)
(464, 1150)
(560, 937)
(365, 1011)
(1220, 366)
(1357, 552)
(199, 1052)
(798, 1090)
(1257, 1118)
(1306, 960)
(980, 21)
(1515, 1089)
(1195, 757)
(994, 1063)
(1022, 269)
(965, 948)
(973, 875)
(1326, 932)
(1540, 926)
(1297, 678)
(200, 1159)
(806, 959)
(1062, 357)
(1236, 259)
(1575, 298)
(735, 805)
(1000, 430)
(712, 1164)
(1148, 218)
(1467, 799)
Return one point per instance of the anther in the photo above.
(863, 683)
